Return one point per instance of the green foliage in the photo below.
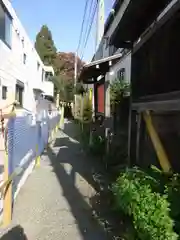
(63, 64)
(64, 88)
(169, 185)
(45, 46)
(79, 89)
(87, 109)
(117, 90)
(64, 69)
(135, 194)
(97, 146)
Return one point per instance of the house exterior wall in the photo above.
(104, 49)
(20, 62)
(125, 63)
(48, 88)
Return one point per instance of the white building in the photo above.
(22, 73)
(48, 87)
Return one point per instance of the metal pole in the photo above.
(75, 81)
(75, 69)
(99, 23)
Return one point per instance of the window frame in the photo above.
(19, 94)
(3, 36)
(2, 95)
(107, 39)
(121, 74)
(24, 58)
(38, 66)
(42, 76)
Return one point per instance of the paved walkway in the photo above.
(54, 202)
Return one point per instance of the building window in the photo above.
(121, 74)
(5, 25)
(22, 42)
(42, 78)
(24, 58)
(4, 92)
(19, 94)
(38, 65)
(112, 50)
(48, 76)
(106, 42)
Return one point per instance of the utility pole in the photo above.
(99, 34)
(75, 68)
(75, 81)
(99, 23)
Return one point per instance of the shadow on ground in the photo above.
(16, 233)
(88, 226)
(88, 214)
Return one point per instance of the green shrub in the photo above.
(79, 89)
(135, 195)
(170, 186)
(98, 145)
(87, 109)
(118, 90)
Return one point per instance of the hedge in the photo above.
(135, 194)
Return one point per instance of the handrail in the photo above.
(3, 184)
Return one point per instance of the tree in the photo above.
(45, 46)
(64, 88)
(63, 64)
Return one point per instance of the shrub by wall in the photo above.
(135, 194)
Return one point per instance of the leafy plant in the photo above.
(117, 90)
(98, 145)
(87, 109)
(169, 185)
(79, 89)
(150, 210)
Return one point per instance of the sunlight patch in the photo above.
(73, 140)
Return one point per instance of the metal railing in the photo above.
(25, 140)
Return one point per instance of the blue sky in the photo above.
(63, 18)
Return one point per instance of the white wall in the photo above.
(12, 67)
(48, 88)
(125, 62)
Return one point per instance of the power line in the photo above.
(88, 19)
(89, 30)
(82, 26)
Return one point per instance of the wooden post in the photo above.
(57, 100)
(62, 117)
(160, 151)
(129, 133)
(82, 111)
(138, 133)
(107, 135)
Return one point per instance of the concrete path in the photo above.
(54, 202)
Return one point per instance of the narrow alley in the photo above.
(54, 202)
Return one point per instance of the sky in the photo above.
(64, 19)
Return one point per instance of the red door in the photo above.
(100, 98)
